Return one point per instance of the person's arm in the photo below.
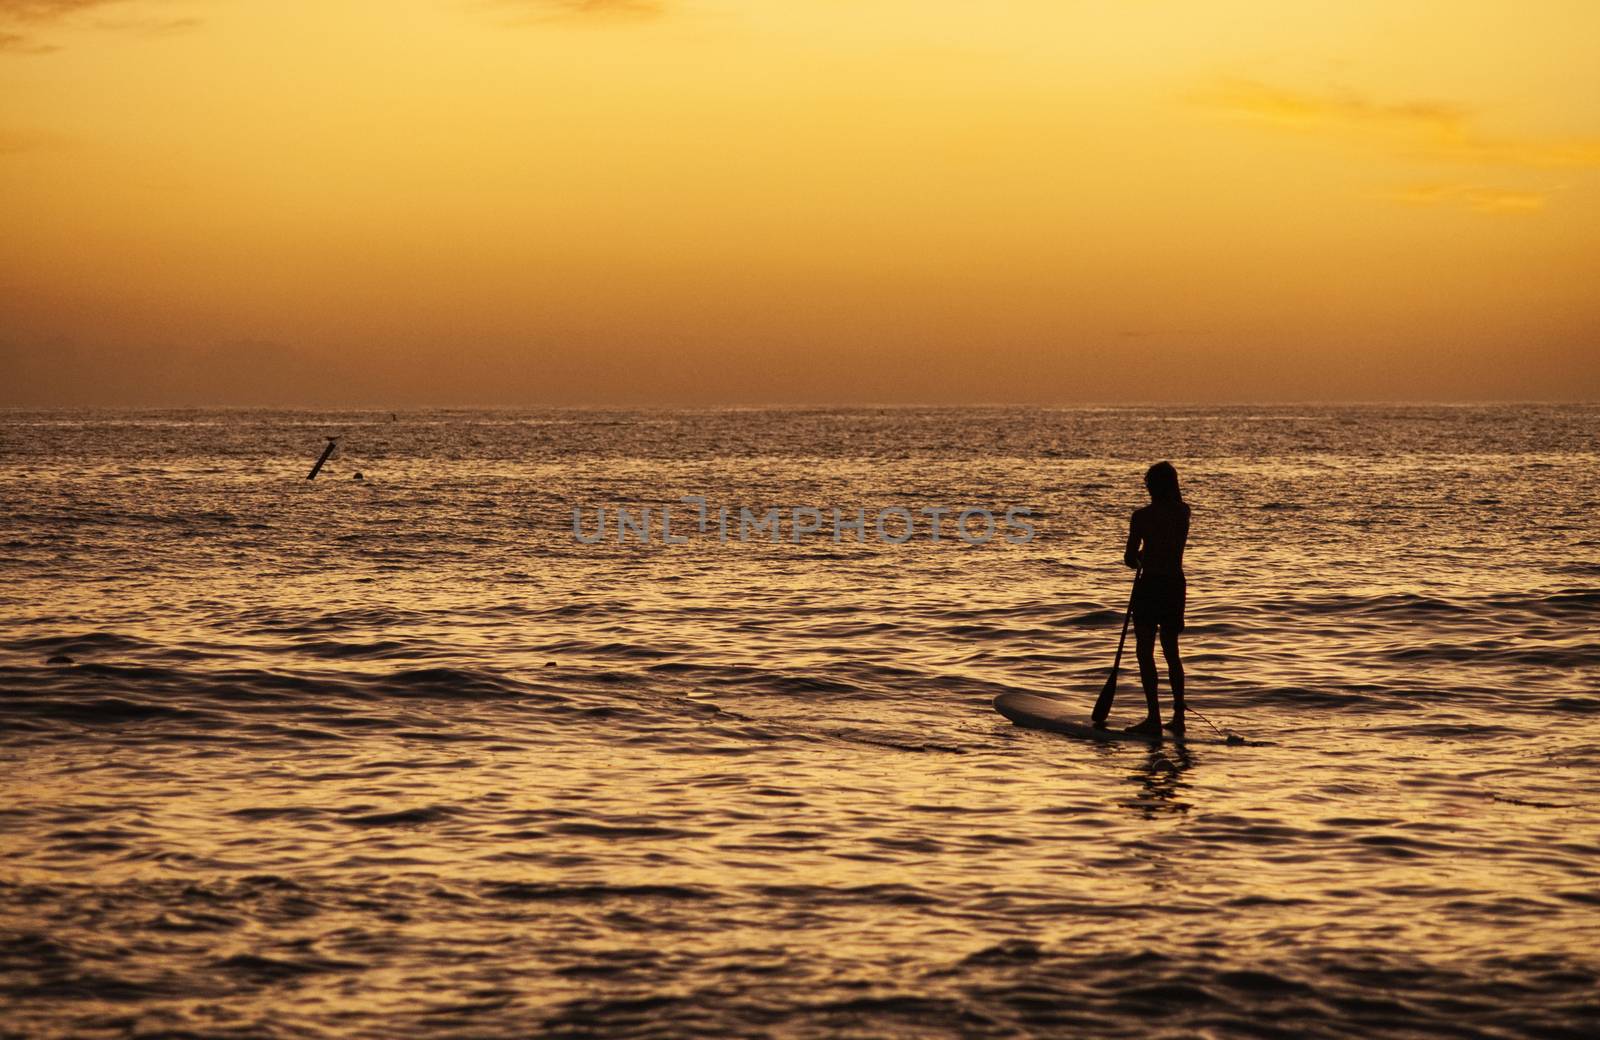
(1130, 555)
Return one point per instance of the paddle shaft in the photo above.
(1102, 707)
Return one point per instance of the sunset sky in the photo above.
(530, 202)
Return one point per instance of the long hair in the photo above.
(1162, 480)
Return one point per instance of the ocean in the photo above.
(406, 756)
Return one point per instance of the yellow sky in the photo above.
(404, 202)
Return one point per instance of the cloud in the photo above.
(150, 26)
(553, 10)
(1474, 197)
(1574, 153)
(1439, 131)
(1263, 101)
(47, 10)
(608, 6)
(20, 20)
(18, 43)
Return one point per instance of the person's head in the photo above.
(1161, 480)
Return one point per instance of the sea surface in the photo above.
(403, 757)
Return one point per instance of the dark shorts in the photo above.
(1159, 599)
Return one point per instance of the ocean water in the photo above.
(403, 757)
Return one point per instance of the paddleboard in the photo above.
(1057, 716)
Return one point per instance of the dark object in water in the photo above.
(357, 476)
(332, 441)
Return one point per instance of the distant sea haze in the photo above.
(403, 756)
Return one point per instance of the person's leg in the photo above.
(1144, 636)
(1169, 650)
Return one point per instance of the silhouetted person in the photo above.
(1156, 537)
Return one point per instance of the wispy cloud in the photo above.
(584, 10)
(1268, 103)
(153, 26)
(21, 21)
(1441, 131)
(1477, 198)
(1572, 153)
(48, 10)
(19, 43)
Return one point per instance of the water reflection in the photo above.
(276, 735)
(1161, 783)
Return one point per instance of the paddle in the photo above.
(1102, 707)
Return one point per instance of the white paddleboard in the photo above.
(1036, 712)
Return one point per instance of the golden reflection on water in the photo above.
(405, 743)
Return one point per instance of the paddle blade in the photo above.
(1102, 707)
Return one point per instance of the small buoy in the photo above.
(357, 476)
(549, 664)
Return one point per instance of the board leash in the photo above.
(1231, 738)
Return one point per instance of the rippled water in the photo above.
(399, 757)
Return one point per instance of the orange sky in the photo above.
(402, 202)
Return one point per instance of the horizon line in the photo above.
(792, 406)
